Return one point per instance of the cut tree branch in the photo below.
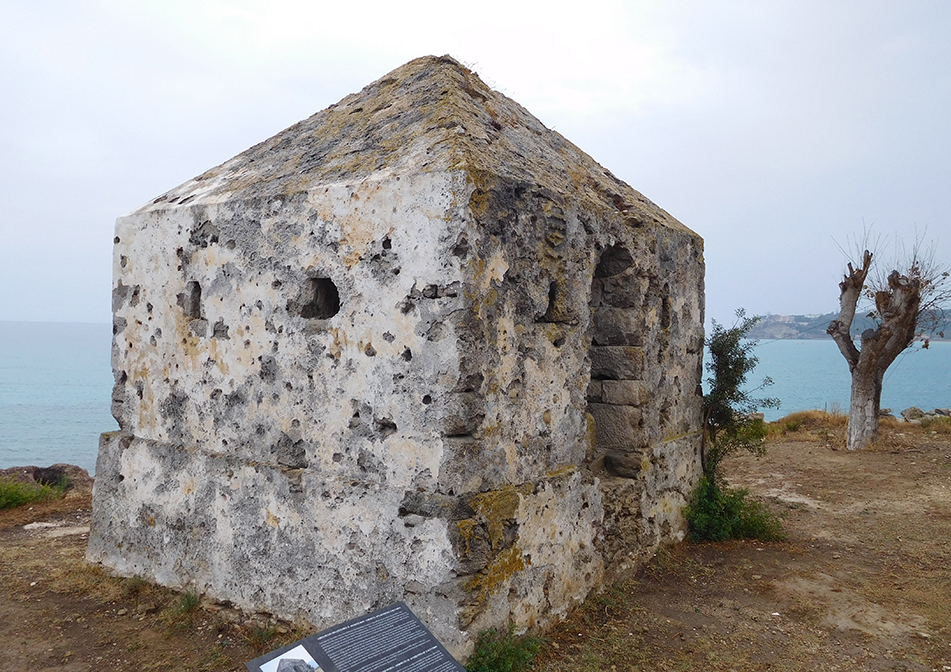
(899, 307)
(851, 291)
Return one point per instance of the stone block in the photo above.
(595, 391)
(462, 413)
(624, 392)
(617, 326)
(624, 291)
(912, 413)
(617, 362)
(616, 427)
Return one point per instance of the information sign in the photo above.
(389, 640)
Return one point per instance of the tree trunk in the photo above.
(864, 406)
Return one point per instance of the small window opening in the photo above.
(190, 300)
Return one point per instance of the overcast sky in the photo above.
(773, 129)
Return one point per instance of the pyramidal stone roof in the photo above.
(431, 114)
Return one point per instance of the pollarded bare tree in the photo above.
(901, 299)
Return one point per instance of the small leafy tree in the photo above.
(729, 425)
(717, 512)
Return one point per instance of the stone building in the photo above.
(415, 347)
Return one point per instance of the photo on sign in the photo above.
(297, 659)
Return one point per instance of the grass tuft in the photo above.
(17, 493)
(185, 604)
(497, 651)
(261, 638)
(180, 613)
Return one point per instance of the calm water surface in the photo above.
(55, 389)
(56, 383)
(813, 374)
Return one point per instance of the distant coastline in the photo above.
(809, 327)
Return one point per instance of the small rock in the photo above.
(757, 577)
(912, 413)
(39, 526)
(122, 612)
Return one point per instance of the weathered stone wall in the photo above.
(415, 347)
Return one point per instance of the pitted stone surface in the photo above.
(384, 354)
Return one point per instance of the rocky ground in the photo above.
(863, 581)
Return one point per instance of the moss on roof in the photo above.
(431, 114)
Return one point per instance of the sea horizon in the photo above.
(56, 386)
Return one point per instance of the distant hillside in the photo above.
(796, 326)
(802, 327)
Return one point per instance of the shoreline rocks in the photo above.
(915, 414)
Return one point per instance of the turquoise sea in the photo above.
(813, 374)
(56, 383)
(55, 392)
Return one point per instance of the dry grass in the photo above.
(937, 425)
(817, 426)
(860, 584)
(831, 428)
(72, 575)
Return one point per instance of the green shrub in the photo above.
(17, 493)
(503, 652)
(717, 513)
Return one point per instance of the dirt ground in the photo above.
(863, 582)
(58, 613)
